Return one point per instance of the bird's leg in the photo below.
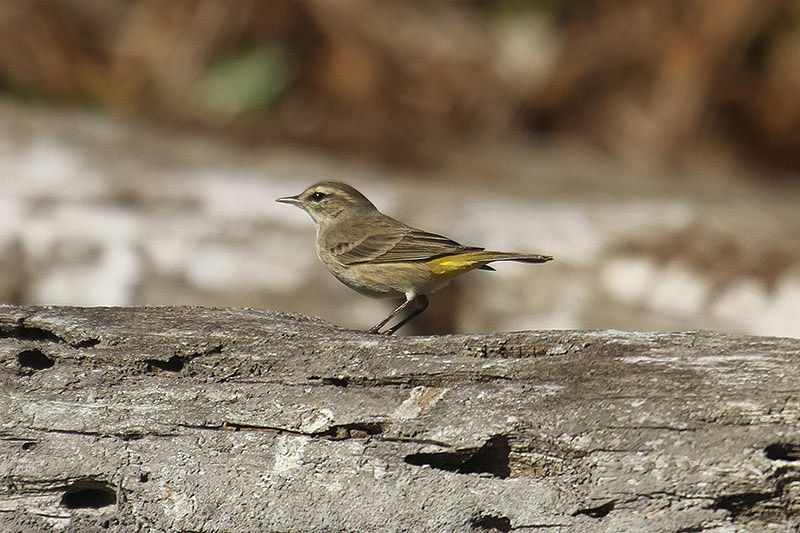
(377, 327)
(422, 304)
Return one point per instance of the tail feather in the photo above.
(449, 266)
(522, 258)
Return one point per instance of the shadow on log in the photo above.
(197, 419)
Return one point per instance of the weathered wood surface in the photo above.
(196, 419)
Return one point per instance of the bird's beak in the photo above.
(289, 200)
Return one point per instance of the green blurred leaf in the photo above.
(244, 82)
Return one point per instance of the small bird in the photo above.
(381, 257)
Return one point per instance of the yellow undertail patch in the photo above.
(449, 267)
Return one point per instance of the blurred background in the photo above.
(652, 147)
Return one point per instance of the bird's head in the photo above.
(326, 200)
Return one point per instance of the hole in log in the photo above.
(26, 333)
(87, 343)
(742, 503)
(173, 364)
(88, 494)
(34, 359)
(783, 451)
(30, 445)
(491, 458)
(336, 382)
(596, 512)
(144, 477)
(491, 523)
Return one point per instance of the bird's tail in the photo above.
(451, 266)
(488, 256)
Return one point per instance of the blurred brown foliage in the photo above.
(664, 80)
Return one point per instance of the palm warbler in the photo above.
(381, 257)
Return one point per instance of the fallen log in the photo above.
(198, 419)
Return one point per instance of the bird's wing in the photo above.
(388, 241)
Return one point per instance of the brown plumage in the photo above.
(379, 256)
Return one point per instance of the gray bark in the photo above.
(197, 419)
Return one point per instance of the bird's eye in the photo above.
(317, 196)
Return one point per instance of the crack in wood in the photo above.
(335, 432)
(598, 511)
(177, 362)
